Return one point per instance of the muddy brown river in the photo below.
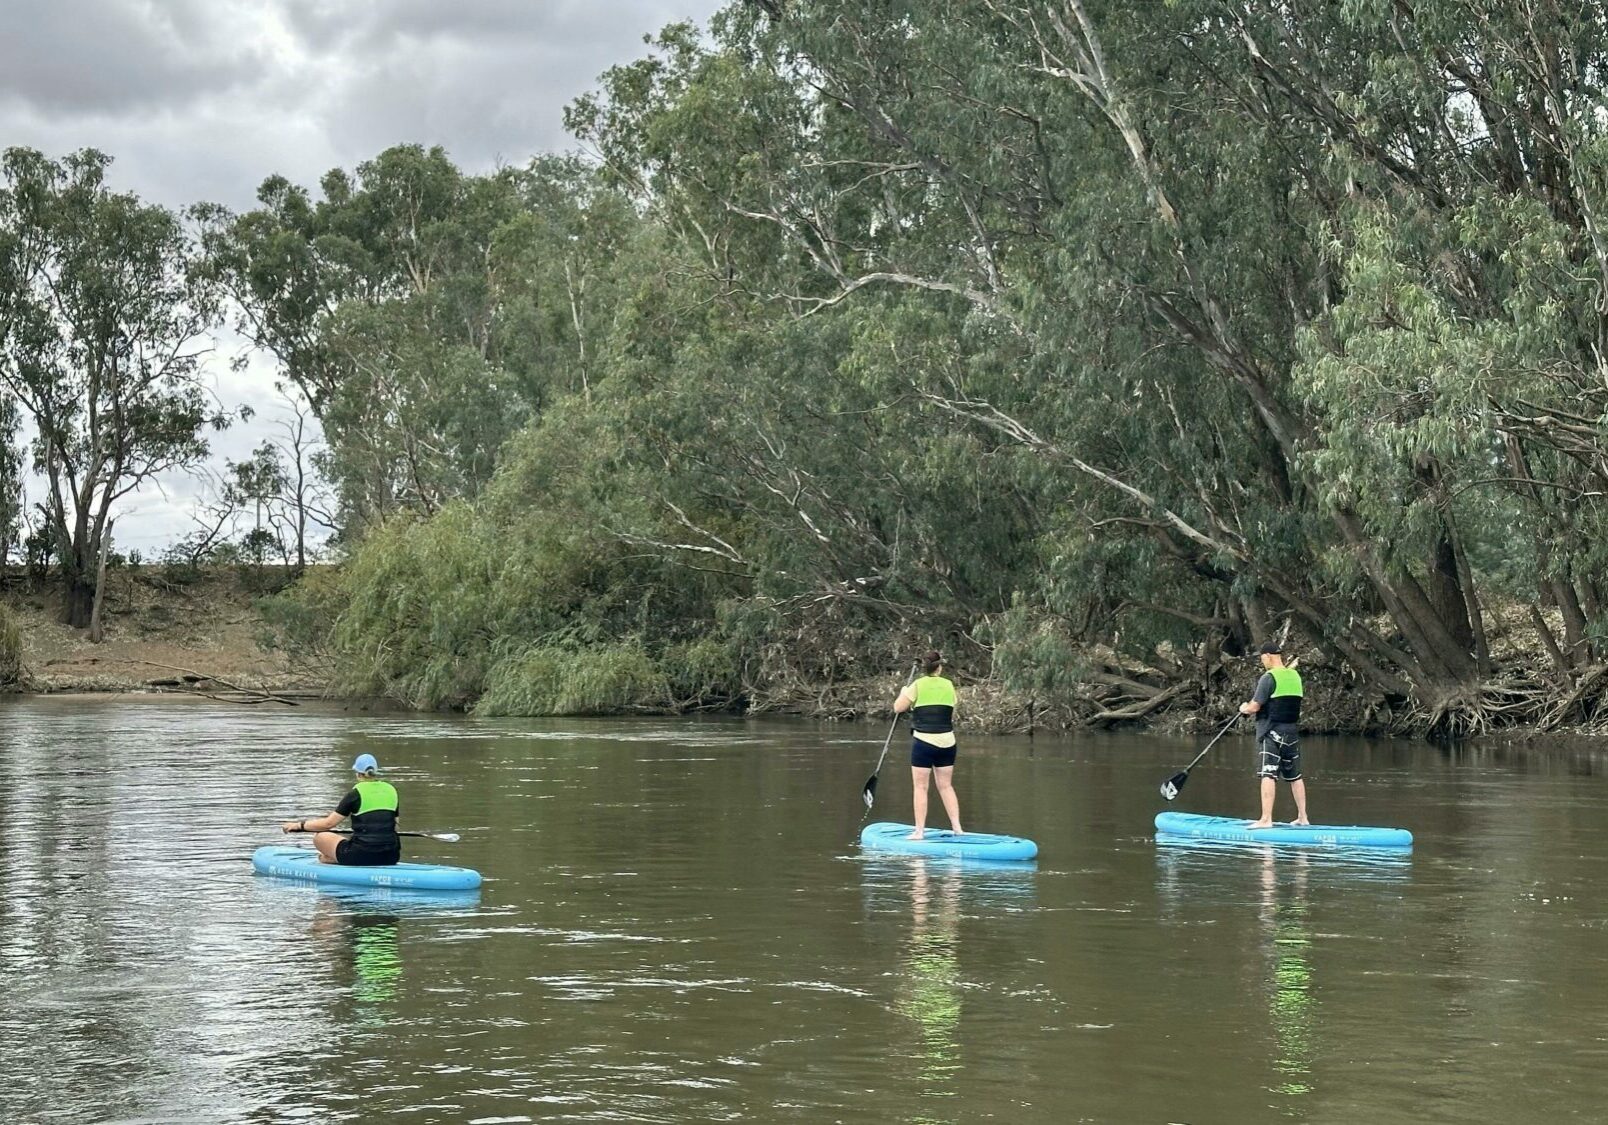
(676, 927)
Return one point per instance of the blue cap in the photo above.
(365, 764)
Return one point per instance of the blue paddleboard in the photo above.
(302, 864)
(1233, 830)
(942, 842)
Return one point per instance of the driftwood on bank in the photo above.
(1141, 708)
(257, 695)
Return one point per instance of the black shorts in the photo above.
(924, 755)
(350, 853)
(1278, 753)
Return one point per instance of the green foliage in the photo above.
(704, 671)
(298, 620)
(603, 679)
(427, 314)
(11, 480)
(1095, 348)
(12, 669)
(102, 315)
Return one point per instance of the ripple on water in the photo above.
(652, 946)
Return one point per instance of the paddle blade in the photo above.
(446, 837)
(869, 794)
(1170, 787)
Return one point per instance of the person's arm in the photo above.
(349, 805)
(906, 700)
(1264, 692)
(313, 824)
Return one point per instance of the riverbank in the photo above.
(169, 632)
(183, 631)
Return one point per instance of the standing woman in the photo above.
(931, 703)
(372, 805)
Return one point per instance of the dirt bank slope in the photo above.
(161, 630)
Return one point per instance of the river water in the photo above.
(675, 927)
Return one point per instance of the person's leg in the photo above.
(944, 776)
(1289, 742)
(1268, 789)
(918, 788)
(326, 843)
(1267, 768)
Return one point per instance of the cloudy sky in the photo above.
(202, 99)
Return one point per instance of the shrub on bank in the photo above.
(552, 680)
(12, 670)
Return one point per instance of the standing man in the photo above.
(931, 703)
(1277, 707)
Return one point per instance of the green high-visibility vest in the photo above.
(934, 691)
(933, 708)
(1284, 705)
(375, 796)
(1286, 681)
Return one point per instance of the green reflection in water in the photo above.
(371, 943)
(1290, 999)
(377, 958)
(930, 989)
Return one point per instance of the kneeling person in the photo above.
(372, 805)
(1277, 707)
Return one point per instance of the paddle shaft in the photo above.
(868, 792)
(886, 742)
(449, 837)
(1234, 719)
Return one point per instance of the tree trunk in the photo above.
(95, 633)
(78, 601)
(1446, 592)
(78, 561)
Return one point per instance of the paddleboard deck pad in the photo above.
(302, 864)
(887, 837)
(1232, 829)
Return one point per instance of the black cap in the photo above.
(1271, 648)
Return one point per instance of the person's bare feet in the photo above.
(1303, 821)
(918, 834)
(1259, 824)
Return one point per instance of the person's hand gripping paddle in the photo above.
(1170, 787)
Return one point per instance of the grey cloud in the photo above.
(202, 99)
(62, 57)
(503, 102)
(487, 79)
(370, 25)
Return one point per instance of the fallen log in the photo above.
(190, 675)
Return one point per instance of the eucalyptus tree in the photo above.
(104, 321)
(1300, 303)
(426, 314)
(11, 479)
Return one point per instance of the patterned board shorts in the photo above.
(1279, 754)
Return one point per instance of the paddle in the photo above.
(869, 793)
(444, 837)
(1170, 787)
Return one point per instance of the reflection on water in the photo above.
(932, 899)
(672, 930)
(929, 992)
(367, 941)
(1178, 856)
(1286, 944)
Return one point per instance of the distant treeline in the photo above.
(1092, 342)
